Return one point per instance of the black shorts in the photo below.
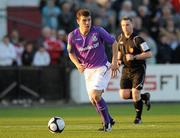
(133, 77)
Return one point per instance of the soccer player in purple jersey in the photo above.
(86, 50)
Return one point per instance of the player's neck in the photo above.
(84, 33)
(127, 35)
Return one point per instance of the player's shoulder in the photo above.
(137, 38)
(97, 28)
(73, 33)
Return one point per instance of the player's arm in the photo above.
(119, 60)
(143, 55)
(114, 52)
(72, 54)
(106, 37)
(120, 55)
(114, 64)
(74, 59)
(146, 53)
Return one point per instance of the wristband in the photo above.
(134, 58)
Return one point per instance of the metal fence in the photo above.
(49, 83)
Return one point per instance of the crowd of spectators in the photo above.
(49, 49)
(158, 22)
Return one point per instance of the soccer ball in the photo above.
(56, 124)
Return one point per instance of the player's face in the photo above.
(127, 27)
(84, 23)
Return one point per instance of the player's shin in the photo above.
(139, 107)
(102, 108)
(107, 109)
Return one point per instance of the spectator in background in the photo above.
(143, 13)
(152, 45)
(66, 18)
(50, 14)
(137, 23)
(42, 4)
(7, 52)
(14, 37)
(126, 10)
(19, 51)
(107, 17)
(54, 48)
(92, 6)
(18, 44)
(41, 57)
(45, 34)
(62, 39)
(28, 54)
(169, 30)
(164, 54)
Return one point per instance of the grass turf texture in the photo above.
(162, 121)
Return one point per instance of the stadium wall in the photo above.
(162, 81)
(34, 83)
(4, 4)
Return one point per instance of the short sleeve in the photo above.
(139, 42)
(70, 43)
(105, 36)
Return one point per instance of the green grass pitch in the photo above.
(162, 121)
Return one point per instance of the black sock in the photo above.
(130, 95)
(138, 106)
(143, 97)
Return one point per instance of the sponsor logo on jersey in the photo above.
(78, 39)
(89, 47)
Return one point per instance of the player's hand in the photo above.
(129, 57)
(80, 68)
(115, 70)
(119, 63)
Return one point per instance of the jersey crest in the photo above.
(94, 38)
(131, 50)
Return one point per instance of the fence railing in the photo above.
(49, 83)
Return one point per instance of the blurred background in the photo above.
(34, 64)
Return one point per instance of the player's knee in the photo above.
(96, 98)
(124, 94)
(92, 101)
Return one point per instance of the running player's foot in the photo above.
(112, 122)
(107, 128)
(147, 101)
(137, 121)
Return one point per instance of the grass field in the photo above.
(162, 121)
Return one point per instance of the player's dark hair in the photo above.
(126, 18)
(83, 12)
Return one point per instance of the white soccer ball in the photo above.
(56, 124)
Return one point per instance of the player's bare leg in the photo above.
(127, 94)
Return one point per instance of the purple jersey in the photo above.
(90, 49)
